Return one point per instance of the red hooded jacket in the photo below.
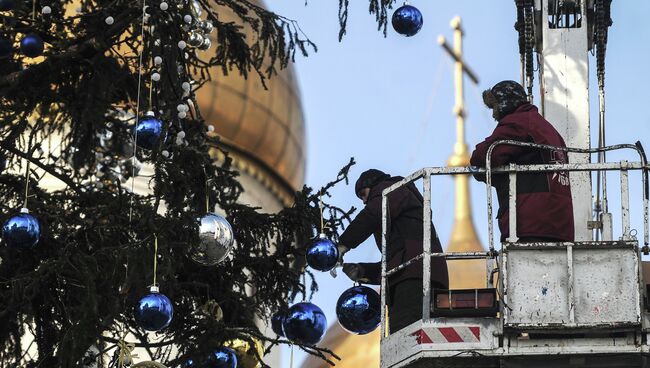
(544, 205)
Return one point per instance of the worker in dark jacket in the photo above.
(404, 242)
(544, 205)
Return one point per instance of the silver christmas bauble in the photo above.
(195, 39)
(216, 239)
(195, 6)
(206, 26)
(206, 44)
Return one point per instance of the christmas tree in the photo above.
(90, 90)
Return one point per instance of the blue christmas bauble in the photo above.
(21, 230)
(407, 20)
(148, 131)
(32, 45)
(6, 48)
(6, 5)
(359, 310)
(276, 323)
(304, 323)
(322, 254)
(223, 357)
(154, 311)
(189, 364)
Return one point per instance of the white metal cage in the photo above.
(558, 300)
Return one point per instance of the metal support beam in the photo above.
(426, 265)
(565, 103)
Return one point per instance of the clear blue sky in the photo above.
(388, 101)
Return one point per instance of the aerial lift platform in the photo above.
(564, 304)
(567, 304)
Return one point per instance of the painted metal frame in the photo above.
(392, 342)
(623, 166)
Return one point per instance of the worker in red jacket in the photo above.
(544, 205)
(405, 239)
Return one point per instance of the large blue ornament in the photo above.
(359, 310)
(32, 45)
(223, 357)
(154, 311)
(276, 323)
(322, 254)
(148, 131)
(305, 323)
(21, 230)
(6, 5)
(6, 48)
(407, 20)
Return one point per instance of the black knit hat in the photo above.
(504, 98)
(369, 179)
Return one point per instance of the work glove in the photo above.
(354, 271)
(342, 250)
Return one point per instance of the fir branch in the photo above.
(47, 168)
(77, 287)
(83, 50)
(377, 7)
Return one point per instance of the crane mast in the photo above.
(562, 42)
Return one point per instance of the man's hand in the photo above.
(354, 271)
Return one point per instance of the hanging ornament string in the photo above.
(207, 199)
(320, 205)
(33, 10)
(207, 195)
(155, 257)
(304, 283)
(26, 182)
(150, 89)
(150, 94)
(137, 110)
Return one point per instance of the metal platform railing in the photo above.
(511, 170)
(622, 166)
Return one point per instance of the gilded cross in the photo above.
(463, 274)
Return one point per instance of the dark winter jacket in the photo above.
(405, 236)
(544, 206)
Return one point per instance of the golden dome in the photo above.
(354, 350)
(264, 127)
